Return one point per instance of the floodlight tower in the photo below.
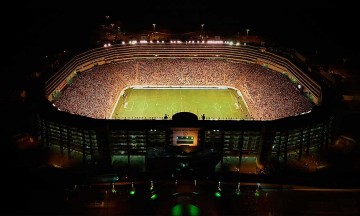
(247, 32)
(154, 26)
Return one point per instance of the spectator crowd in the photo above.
(269, 94)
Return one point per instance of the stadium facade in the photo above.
(151, 141)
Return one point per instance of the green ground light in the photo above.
(181, 209)
(155, 103)
(218, 194)
(153, 196)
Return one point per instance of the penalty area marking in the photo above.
(236, 105)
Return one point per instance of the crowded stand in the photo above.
(269, 94)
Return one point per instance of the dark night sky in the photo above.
(294, 23)
(34, 30)
(302, 24)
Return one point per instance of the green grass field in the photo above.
(155, 103)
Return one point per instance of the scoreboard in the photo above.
(185, 136)
(185, 140)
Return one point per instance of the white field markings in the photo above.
(159, 103)
(236, 101)
(181, 102)
(157, 107)
(201, 106)
(169, 106)
(221, 105)
(187, 106)
(228, 108)
(145, 105)
(231, 109)
(236, 105)
(242, 110)
(217, 108)
(239, 94)
(173, 108)
(125, 112)
(115, 105)
(181, 110)
(195, 107)
(190, 103)
(156, 104)
(132, 103)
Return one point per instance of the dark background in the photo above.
(31, 31)
(34, 32)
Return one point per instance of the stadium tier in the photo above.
(283, 118)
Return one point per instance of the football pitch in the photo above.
(155, 103)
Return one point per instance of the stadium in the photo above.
(186, 105)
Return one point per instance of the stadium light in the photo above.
(202, 27)
(113, 190)
(237, 190)
(153, 194)
(257, 192)
(154, 26)
(151, 185)
(218, 191)
(132, 191)
(247, 32)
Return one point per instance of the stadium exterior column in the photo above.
(301, 144)
(103, 140)
(91, 148)
(265, 146)
(61, 140)
(68, 142)
(83, 146)
(329, 134)
(286, 148)
(241, 144)
(222, 147)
